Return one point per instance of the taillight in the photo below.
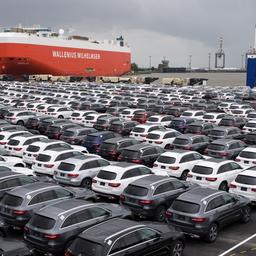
(158, 142)
(168, 214)
(199, 220)
(136, 161)
(253, 189)
(17, 149)
(254, 162)
(146, 202)
(174, 167)
(211, 179)
(232, 186)
(114, 185)
(52, 236)
(19, 212)
(2, 142)
(48, 165)
(122, 197)
(223, 154)
(73, 175)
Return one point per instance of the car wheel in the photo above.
(168, 146)
(212, 233)
(20, 123)
(177, 248)
(184, 175)
(223, 186)
(87, 183)
(246, 215)
(160, 213)
(61, 117)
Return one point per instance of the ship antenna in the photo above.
(254, 48)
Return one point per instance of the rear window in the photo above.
(166, 160)
(89, 117)
(217, 133)
(181, 141)
(248, 154)
(12, 200)
(227, 122)
(202, 169)
(208, 117)
(138, 130)
(106, 175)
(136, 190)
(68, 133)
(13, 142)
(50, 110)
(153, 119)
(32, 148)
(253, 125)
(10, 114)
(237, 111)
(127, 112)
(187, 114)
(43, 158)
(250, 115)
(244, 179)
(217, 147)
(66, 167)
(75, 114)
(110, 146)
(184, 206)
(42, 222)
(153, 136)
(101, 121)
(132, 154)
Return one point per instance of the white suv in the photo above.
(79, 171)
(250, 126)
(214, 173)
(163, 120)
(176, 163)
(213, 117)
(113, 179)
(247, 157)
(17, 145)
(19, 117)
(140, 132)
(47, 161)
(78, 115)
(196, 114)
(11, 161)
(59, 111)
(128, 113)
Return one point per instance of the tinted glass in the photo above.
(106, 175)
(177, 122)
(75, 114)
(217, 133)
(68, 133)
(115, 126)
(50, 110)
(43, 158)
(252, 125)
(248, 154)
(136, 190)
(153, 119)
(181, 141)
(244, 179)
(193, 128)
(42, 222)
(208, 117)
(138, 129)
(202, 169)
(226, 122)
(13, 142)
(153, 136)
(187, 114)
(166, 159)
(130, 153)
(108, 146)
(67, 167)
(184, 206)
(217, 147)
(32, 148)
(12, 200)
(79, 246)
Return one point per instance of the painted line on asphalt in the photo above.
(236, 246)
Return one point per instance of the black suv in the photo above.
(123, 127)
(151, 196)
(125, 237)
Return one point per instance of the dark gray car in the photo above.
(204, 211)
(225, 148)
(225, 132)
(53, 228)
(150, 196)
(18, 205)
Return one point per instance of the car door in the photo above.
(147, 156)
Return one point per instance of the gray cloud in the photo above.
(174, 28)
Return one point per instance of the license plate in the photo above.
(199, 178)
(29, 154)
(150, 141)
(246, 162)
(102, 183)
(39, 165)
(180, 217)
(162, 167)
(244, 189)
(62, 174)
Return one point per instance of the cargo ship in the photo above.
(36, 50)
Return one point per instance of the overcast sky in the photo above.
(171, 28)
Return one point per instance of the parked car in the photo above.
(90, 119)
(250, 126)
(180, 124)
(214, 173)
(232, 121)
(163, 120)
(78, 215)
(19, 117)
(78, 115)
(80, 170)
(224, 132)
(199, 127)
(152, 195)
(128, 113)
(225, 148)
(213, 117)
(143, 153)
(122, 127)
(204, 211)
(33, 122)
(247, 157)
(19, 204)
(45, 123)
(149, 239)
(59, 111)
(54, 131)
(103, 123)
(196, 114)
(111, 180)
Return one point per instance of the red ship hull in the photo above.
(27, 59)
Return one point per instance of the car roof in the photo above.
(6, 174)
(118, 139)
(139, 146)
(149, 180)
(179, 152)
(224, 141)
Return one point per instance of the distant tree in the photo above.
(135, 67)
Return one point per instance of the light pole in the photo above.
(209, 63)
(150, 62)
(190, 62)
(242, 64)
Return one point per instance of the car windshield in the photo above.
(80, 246)
(153, 119)
(153, 136)
(185, 206)
(106, 175)
(252, 125)
(12, 200)
(136, 190)
(138, 129)
(217, 133)
(251, 115)
(42, 222)
(10, 114)
(43, 158)
(67, 167)
(89, 117)
(202, 169)
(13, 142)
(181, 141)
(244, 179)
(248, 154)
(217, 147)
(166, 159)
(32, 148)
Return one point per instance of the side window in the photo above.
(163, 188)
(196, 140)
(62, 193)
(197, 156)
(224, 168)
(187, 158)
(10, 183)
(215, 203)
(147, 234)
(149, 152)
(125, 144)
(43, 197)
(233, 146)
(64, 156)
(228, 199)
(144, 170)
(131, 173)
(169, 135)
(77, 217)
(101, 162)
(234, 166)
(177, 184)
(83, 133)
(97, 212)
(153, 128)
(26, 180)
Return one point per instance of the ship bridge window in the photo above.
(89, 70)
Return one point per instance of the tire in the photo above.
(184, 175)
(246, 214)
(177, 248)
(86, 183)
(223, 186)
(20, 123)
(212, 233)
(160, 213)
(61, 117)
(167, 146)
